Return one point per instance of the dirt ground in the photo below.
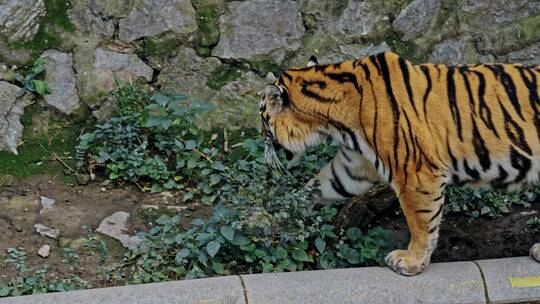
(79, 210)
(463, 238)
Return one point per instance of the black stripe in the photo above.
(532, 87)
(390, 171)
(514, 131)
(520, 163)
(433, 229)
(463, 71)
(425, 69)
(436, 214)
(406, 79)
(373, 59)
(345, 155)
(354, 177)
(508, 85)
(337, 185)
(480, 147)
(288, 76)
(473, 173)
(393, 102)
(485, 111)
(451, 86)
(345, 77)
(319, 83)
(499, 182)
(309, 93)
(438, 197)
(424, 211)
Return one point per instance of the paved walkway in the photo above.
(490, 281)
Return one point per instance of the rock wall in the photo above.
(226, 51)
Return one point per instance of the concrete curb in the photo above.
(488, 281)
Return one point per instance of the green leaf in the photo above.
(190, 144)
(218, 268)
(4, 290)
(214, 179)
(280, 252)
(240, 240)
(213, 247)
(218, 166)
(301, 255)
(354, 233)
(163, 219)
(208, 200)
(181, 255)
(227, 232)
(42, 88)
(320, 244)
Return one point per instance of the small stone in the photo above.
(11, 109)
(102, 189)
(115, 226)
(46, 231)
(46, 203)
(83, 179)
(44, 251)
(535, 252)
(176, 208)
(149, 207)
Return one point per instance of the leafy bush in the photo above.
(29, 281)
(157, 148)
(129, 99)
(263, 221)
(283, 233)
(478, 202)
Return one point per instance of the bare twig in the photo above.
(226, 141)
(204, 155)
(55, 157)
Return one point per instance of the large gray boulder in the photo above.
(103, 71)
(11, 109)
(416, 17)
(62, 80)
(358, 19)
(188, 73)
(529, 55)
(154, 17)
(450, 51)
(19, 19)
(259, 29)
(238, 103)
(83, 15)
(491, 13)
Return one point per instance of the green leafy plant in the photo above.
(157, 148)
(478, 202)
(30, 82)
(29, 281)
(533, 224)
(129, 99)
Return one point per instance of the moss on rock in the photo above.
(207, 14)
(222, 75)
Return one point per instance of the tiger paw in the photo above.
(535, 252)
(405, 262)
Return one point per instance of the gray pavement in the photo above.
(512, 280)
(502, 281)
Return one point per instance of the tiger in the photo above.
(417, 127)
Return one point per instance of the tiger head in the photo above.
(286, 124)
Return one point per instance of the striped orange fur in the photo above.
(418, 127)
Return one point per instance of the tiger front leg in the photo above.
(347, 175)
(423, 210)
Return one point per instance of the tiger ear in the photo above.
(274, 98)
(312, 61)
